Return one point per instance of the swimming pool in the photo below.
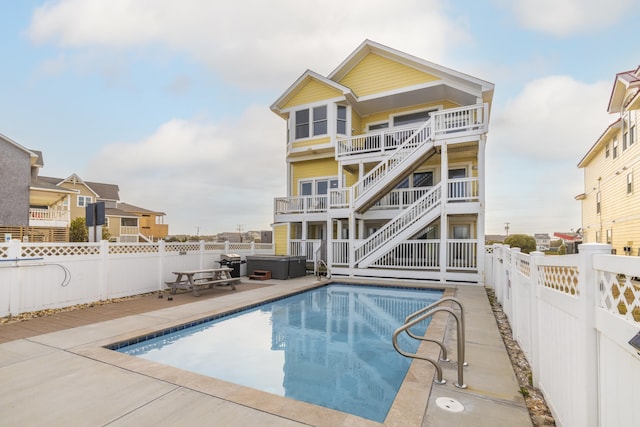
(330, 346)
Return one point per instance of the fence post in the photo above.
(161, 255)
(588, 285)
(103, 269)
(15, 307)
(534, 277)
(512, 286)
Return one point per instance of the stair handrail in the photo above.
(460, 343)
(405, 218)
(389, 163)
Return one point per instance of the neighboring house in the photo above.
(386, 168)
(495, 238)
(570, 241)
(543, 241)
(40, 208)
(611, 201)
(125, 223)
(151, 223)
(30, 209)
(15, 175)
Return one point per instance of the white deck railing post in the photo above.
(103, 271)
(15, 250)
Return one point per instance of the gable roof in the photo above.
(599, 142)
(448, 83)
(20, 147)
(101, 190)
(302, 81)
(623, 82)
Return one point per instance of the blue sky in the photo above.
(170, 100)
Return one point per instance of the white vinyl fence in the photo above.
(573, 316)
(38, 276)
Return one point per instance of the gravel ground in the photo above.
(538, 409)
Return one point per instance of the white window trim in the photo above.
(87, 200)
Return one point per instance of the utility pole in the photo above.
(506, 228)
(197, 230)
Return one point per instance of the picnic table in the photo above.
(192, 279)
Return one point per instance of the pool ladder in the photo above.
(423, 314)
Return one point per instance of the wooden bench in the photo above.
(260, 275)
(210, 277)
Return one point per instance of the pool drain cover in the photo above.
(449, 404)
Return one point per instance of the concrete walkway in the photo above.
(55, 370)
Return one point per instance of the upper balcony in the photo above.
(40, 217)
(451, 123)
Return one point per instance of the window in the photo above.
(630, 183)
(624, 140)
(597, 237)
(407, 119)
(321, 186)
(341, 120)
(598, 203)
(606, 151)
(377, 126)
(311, 122)
(615, 148)
(609, 236)
(461, 232)
(84, 201)
(423, 179)
(302, 124)
(320, 120)
(632, 135)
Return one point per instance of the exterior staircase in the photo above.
(395, 167)
(402, 227)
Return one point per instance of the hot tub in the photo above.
(282, 267)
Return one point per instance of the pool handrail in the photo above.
(444, 357)
(426, 313)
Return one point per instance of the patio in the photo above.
(53, 369)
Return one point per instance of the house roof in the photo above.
(606, 135)
(15, 144)
(541, 236)
(450, 84)
(138, 210)
(568, 237)
(101, 190)
(119, 213)
(308, 75)
(623, 82)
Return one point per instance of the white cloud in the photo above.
(535, 143)
(554, 118)
(249, 43)
(566, 17)
(211, 175)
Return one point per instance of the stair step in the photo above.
(260, 275)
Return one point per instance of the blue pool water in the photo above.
(330, 346)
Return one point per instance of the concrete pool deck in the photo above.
(55, 370)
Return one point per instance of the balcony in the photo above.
(39, 217)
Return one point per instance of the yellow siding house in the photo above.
(385, 168)
(611, 201)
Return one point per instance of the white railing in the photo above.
(126, 230)
(573, 316)
(299, 247)
(300, 204)
(340, 252)
(461, 119)
(39, 276)
(401, 198)
(415, 254)
(340, 197)
(408, 217)
(461, 254)
(462, 189)
(377, 142)
(393, 161)
(49, 214)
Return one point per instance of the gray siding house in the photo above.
(15, 177)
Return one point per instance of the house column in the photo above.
(480, 233)
(444, 223)
(352, 243)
